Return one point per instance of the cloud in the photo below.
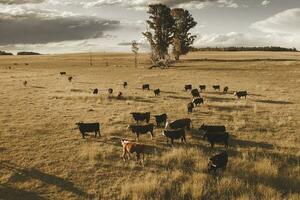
(266, 3)
(246, 39)
(22, 26)
(11, 2)
(286, 22)
(142, 4)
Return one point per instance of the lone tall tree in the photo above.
(182, 39)
(161, 25)
(135, 50)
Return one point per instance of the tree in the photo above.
(182, 39)
(135, 50)
(161, 24)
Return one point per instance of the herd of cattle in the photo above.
(173, 130)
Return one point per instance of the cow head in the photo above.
(167, 125)
(202, 127)
(128, 127)
(163, 133)
(211, 166)
(78, 123)
(234, 93)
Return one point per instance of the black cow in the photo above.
(110, 90)
(180, 123)
(202, 87)
(175, 135)
(88, 128)
(25, 83)
(95, 91)
(198, 101)
(216, 87)
(161, 119)
(240, 94)
(63, 73)
(188, 87)
(141, 116)
(190, 107)
(146, 86)
(157, 92)
(125, 84)
(70, 78)
(225, 90)
(120, 95)
(212, 128)
(218, 161)
(217, 137)
(141, 129)
(195, 93)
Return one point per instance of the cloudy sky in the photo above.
(61, 26)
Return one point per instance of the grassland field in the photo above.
(43, 156)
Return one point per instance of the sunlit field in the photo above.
(43, 155)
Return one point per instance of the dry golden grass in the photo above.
(44, 157)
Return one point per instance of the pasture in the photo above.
(43, 156)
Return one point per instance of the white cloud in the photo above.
(142, 4)
(286, 22)
(12, 2)
(266, 3)
(246, 39)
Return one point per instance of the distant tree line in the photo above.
(271, 48)
(27, 53)
(3, 53)
(167, 27)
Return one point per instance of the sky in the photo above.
(67, 26)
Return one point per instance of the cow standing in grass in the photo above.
(141, 129)
(141, 116)
(225, 90)
(216, 87)
(240, 94)
(89, 128)
(161, 119)
(202, 87)
(146, 87)
(188, 87)
(130, 147)
(195, 93)
(95, 91)
(175, 135)
(184, 123)
(157, 92)
(110, 90)
(190, 107)
(198, 101)
(218, 161)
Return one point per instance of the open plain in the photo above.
(43, 156)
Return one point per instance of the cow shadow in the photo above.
(2, 149)
(273, 102)
(38, 87)
(229, 108)
(10, 193)
(234, 142)
(179, 97)
(280, 183)
(222, 99)
(168, 92)
(33, 173)
(131, 98)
